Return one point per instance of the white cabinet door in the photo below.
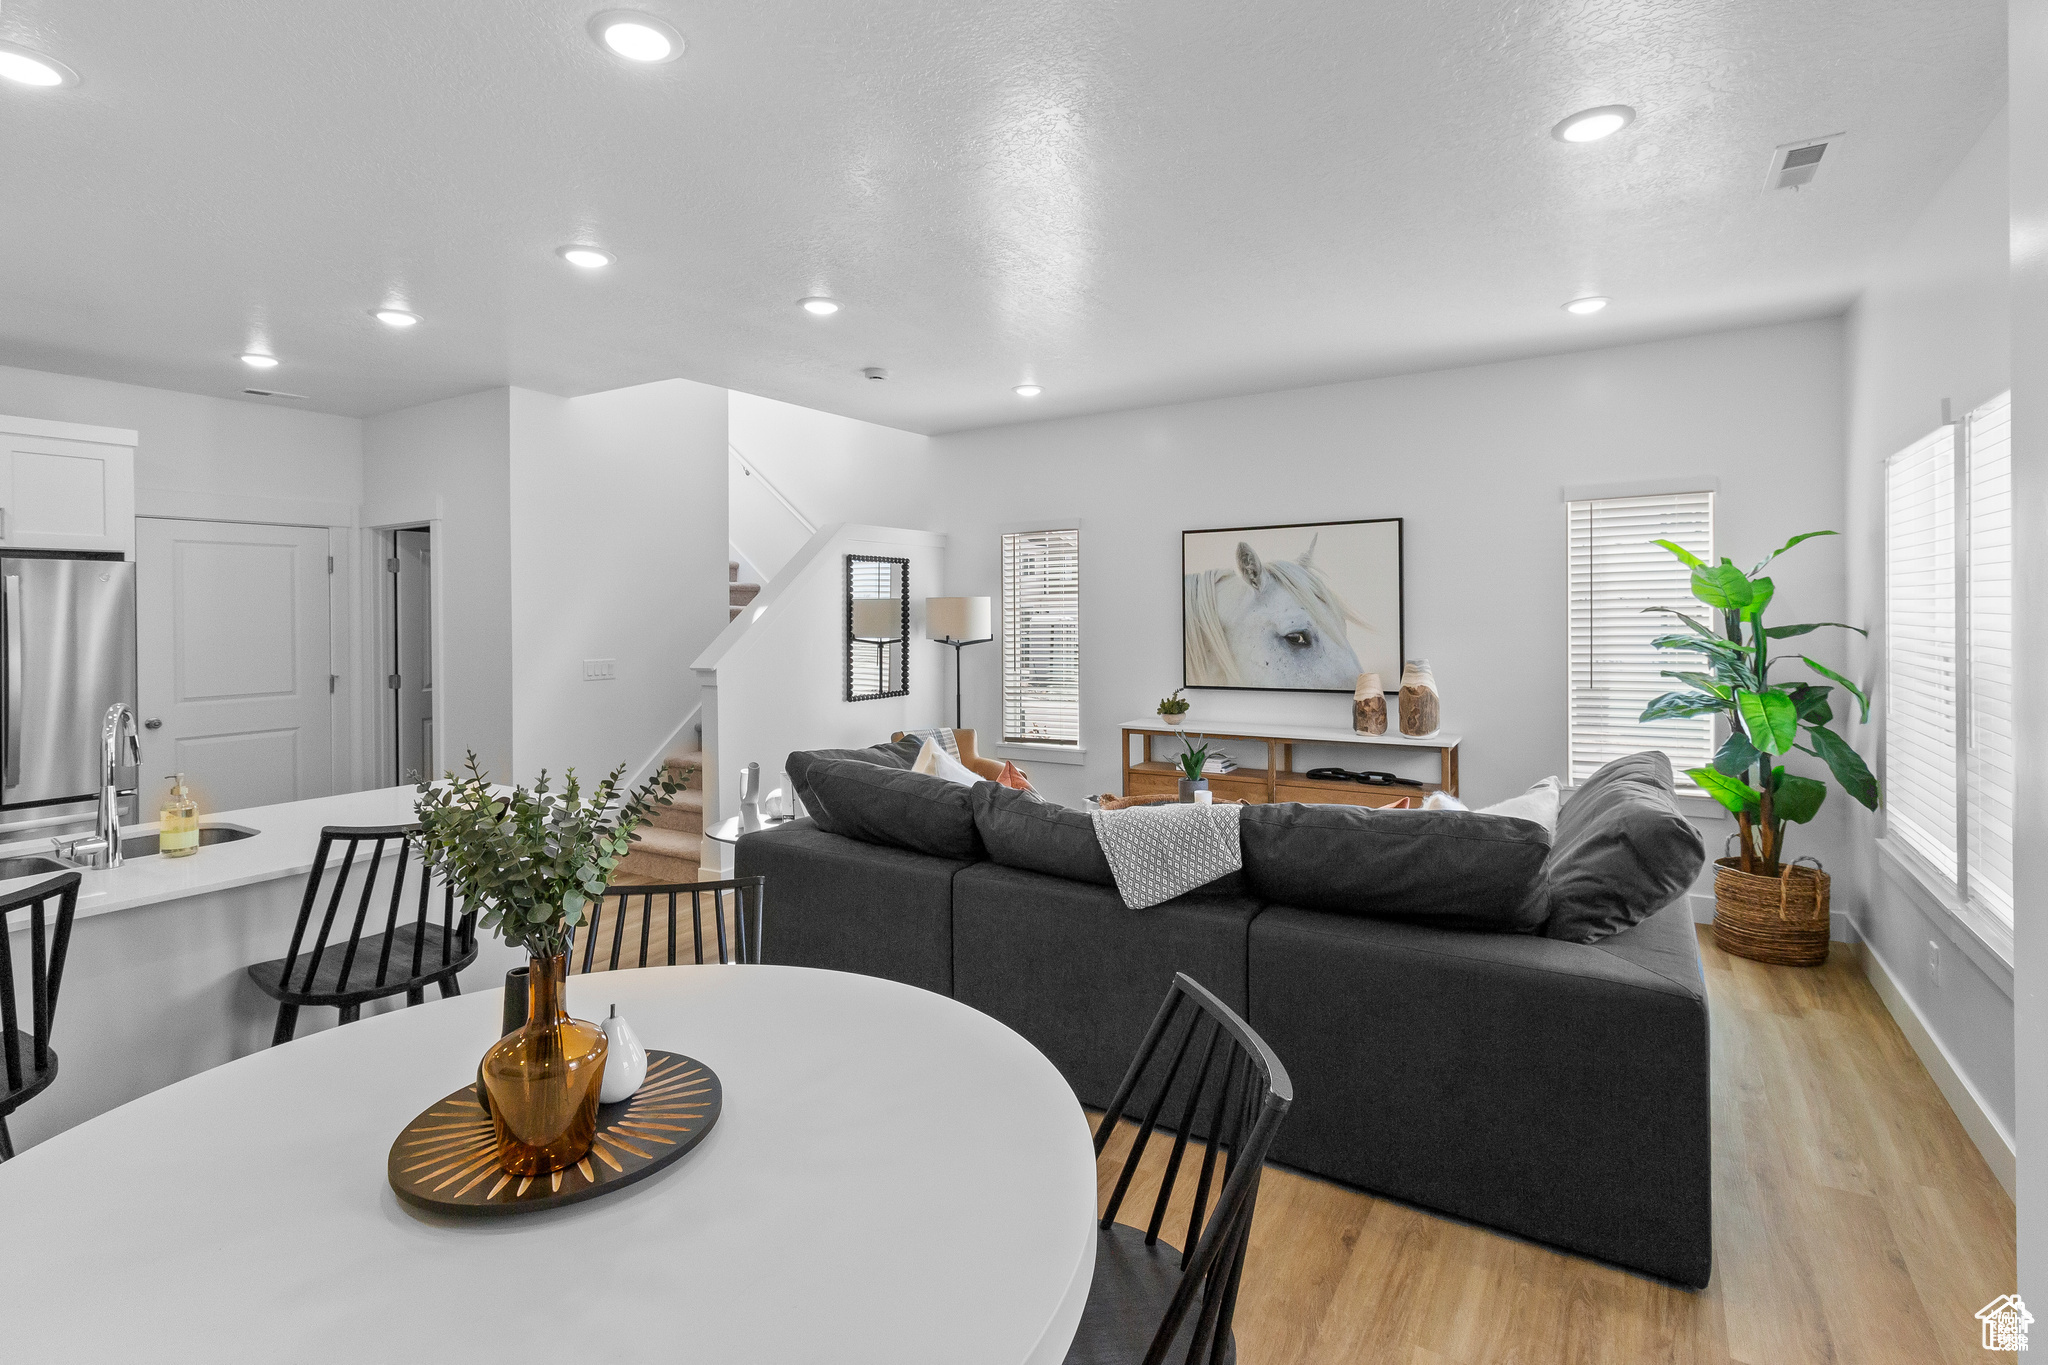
(231, 624)
(58, 493)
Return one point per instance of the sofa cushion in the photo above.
(1450, 869)
(886, 805)
(1624, 850)
(1020, 830)
(900, 754)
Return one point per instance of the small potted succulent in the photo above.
(1194, 788)
(1174, 709)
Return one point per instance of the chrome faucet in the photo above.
(103, 849)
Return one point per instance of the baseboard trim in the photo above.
(1984, 1130)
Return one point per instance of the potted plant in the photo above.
(533, 861)
(1765, 907)
(1192, 759)
(1174, 709)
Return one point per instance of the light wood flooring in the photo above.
(1854, 1223)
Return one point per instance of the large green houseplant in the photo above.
(1767, 721)
(533, 861)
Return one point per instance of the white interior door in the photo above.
(234, 663)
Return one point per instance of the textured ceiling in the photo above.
(1126, 202)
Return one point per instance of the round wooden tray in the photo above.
(446, 1159)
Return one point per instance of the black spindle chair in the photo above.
(1142, 1300)
(607, 937)
(346, 969)
(47, 945)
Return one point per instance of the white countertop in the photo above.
(1295, 734)
(287, 836)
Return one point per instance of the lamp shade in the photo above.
(957, 618)
(877, 618)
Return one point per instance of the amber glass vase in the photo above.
(544, 1078)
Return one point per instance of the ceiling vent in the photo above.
(272, 393)
(1795, 164)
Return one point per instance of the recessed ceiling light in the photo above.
(636, 37)
(1592, 303)
(585, 257)
(823, 308)
(256, 360)
(1027, 391)
(26, 67)
(1590, 125)
(396, 317)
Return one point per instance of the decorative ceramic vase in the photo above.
(1419, 701)
(625, 1061)
(1174, 718)
(544, 1079)
(1369, 706)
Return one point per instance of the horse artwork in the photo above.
(1291, 608)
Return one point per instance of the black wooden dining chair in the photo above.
(347, 969)
(30, 1075)
(607, 938)
(1142, 1303)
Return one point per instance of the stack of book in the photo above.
(1218, 764)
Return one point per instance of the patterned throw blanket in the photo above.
(1159, 852)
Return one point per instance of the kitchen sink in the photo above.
(29, 867)
(145, 845)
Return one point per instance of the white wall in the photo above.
(1934, 324)
(618, 550)
(775, 680)
(835, 469)
(449, 464)
(2027, 50)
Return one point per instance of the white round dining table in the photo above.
(893, 1177)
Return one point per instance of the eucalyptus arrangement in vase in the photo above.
(1767, 723)
(534, 861)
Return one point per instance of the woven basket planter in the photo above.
(1771, 919)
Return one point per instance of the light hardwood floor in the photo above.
(1854, 1224)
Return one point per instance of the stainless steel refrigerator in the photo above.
(67, 653)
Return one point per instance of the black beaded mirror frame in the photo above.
(896, 651)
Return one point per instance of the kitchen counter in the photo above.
(156, 986)
(285, 840)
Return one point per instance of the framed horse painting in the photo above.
(1301, 608)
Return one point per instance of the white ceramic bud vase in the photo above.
(625, 1061)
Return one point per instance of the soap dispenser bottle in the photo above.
(178, 827)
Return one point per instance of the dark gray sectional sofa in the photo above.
(1550, 1088)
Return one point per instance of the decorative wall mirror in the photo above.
(877, 627)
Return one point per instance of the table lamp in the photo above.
(959, 622)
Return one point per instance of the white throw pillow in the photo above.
(1539, 803)
(934, 761)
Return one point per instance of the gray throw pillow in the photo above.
(1022, 831)
(1448, 869)
(901, 754)
(883, 805)
(1624, 850)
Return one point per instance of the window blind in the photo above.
(1042, 637)
(1617, 572)
(1988, 760)
(1921, 703)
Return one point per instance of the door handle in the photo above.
(12, 608)
(153, 723)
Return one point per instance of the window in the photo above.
(1042, 638)
(1617, 574)
(1947, 704)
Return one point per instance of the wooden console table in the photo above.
(1279, 782)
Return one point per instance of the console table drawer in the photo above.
(1347, 793)
(1226, 787)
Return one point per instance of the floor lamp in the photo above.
(959, 622)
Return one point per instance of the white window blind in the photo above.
(1921, 703)
(1042, 637)
(1616, 573)
(1989, 759)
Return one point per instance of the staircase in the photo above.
(740, 594)
(671, 847)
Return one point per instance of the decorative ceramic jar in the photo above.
(1419, 702)
(625, 1061)
(544, 1079)
(1369, 706)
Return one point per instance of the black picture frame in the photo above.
(1400, 594)
(902, 641)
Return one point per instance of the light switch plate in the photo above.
(1933, 962)
(600, 670)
